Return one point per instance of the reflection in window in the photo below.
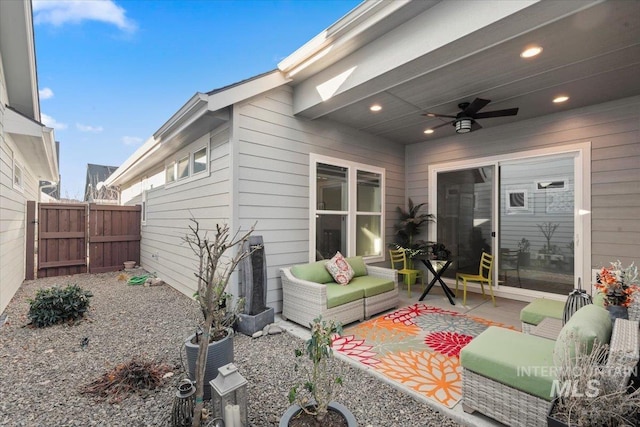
(332, 189)
(17, 175)
(183, 168)
(200, 161)
(170, 172)
(368, 235)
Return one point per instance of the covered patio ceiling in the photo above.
(591, 53)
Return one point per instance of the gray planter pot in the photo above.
(219, 354)
(333, 406)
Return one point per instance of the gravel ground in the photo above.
(42, 370)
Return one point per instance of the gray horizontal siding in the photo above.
(13, 206)
(273, 175)
(169, 209)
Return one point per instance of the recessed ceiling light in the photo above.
(430, 115)
(428, 131)
(375, 107)
(531, 51)
(561, 98)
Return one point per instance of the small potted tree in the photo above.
(214, 344)
(313, 395)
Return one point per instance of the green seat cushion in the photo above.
(521, 361)
(313, 272)
(357, 265)
(372, 286)
(540, 308)
(588, 324)
(338, 294)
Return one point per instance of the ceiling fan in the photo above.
(465, 121)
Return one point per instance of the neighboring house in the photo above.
(27, 147)
(303, 153)
(94, 189)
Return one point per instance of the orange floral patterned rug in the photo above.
(417, 346)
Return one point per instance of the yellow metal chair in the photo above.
(483, 276)
(399, 258)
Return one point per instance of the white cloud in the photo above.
(131, 140)
(88, 128)
(45, 93)
(52, 123)
(60, 12)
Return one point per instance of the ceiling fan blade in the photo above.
(497, 113)
(475, 126)
(475, 106)
(440, 125)
(437, 115)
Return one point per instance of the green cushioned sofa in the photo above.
(308, 290)
(509, 375)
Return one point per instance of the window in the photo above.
(187, 165)
(200, 161)
(183, 167)
(517, 200)
(347, 214)
(144, 206)
(17, 176)
(170, 172)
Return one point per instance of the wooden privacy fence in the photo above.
(76, 238)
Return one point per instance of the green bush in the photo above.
(55, 305)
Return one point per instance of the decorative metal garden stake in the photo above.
(229, 397)
(183, 404)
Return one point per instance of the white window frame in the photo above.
(143, 210)
(189, 154)
(186, 160)
(351, 213)
(171, 165)
(193, 160)
(17, 166)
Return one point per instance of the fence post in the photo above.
(30, 252)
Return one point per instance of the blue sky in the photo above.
(110, 73)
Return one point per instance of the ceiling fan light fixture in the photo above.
(530, 52)
(463, 125)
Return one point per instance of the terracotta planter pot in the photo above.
(293, 410)
(219, 354)
(128, 265)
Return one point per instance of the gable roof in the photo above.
(202, 113)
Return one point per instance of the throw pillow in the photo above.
(340, 269)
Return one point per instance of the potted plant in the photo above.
(524, 254)
(589, 393)
(408, 228)
(213, 342)
(617, 284)
(313, 395)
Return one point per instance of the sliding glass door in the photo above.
(537, 224)
(521, 210)
(464, 220)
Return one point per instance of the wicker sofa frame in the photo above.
(303, 301)
(517, 408)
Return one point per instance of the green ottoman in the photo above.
(537, 310)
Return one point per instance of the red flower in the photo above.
(447, 343)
